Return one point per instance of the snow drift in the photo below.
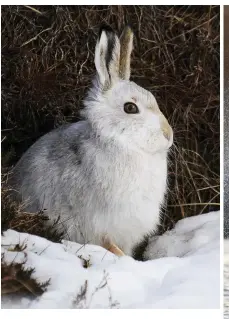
(226, 278)
(182, 270)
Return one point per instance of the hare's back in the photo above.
(49, 161)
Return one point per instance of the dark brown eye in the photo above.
(131, 108)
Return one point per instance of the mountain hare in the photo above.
(105, 176)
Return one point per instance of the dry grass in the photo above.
(47, 66)
(14, 217)
(16, 278)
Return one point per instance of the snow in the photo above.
(226, 278)
(182, 270)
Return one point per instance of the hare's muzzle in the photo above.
(166, 129)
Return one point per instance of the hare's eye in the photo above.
(131, 108)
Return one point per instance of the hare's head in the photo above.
(119, 108)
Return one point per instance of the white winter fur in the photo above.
(100, 53)
(100, 60)
(118, 184)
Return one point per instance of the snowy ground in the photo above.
(226, 278)
(183, 270)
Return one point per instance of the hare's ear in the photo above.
(126, 46)
(107, 54)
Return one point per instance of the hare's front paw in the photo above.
(111, 246)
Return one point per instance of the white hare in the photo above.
(105, 176)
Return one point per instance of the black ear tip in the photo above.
(106, 28)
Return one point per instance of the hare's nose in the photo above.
(167, 132)
(166, 135)
(166, 129)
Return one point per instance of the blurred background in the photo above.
(48, 64)
(226, 161)
(226, 121)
